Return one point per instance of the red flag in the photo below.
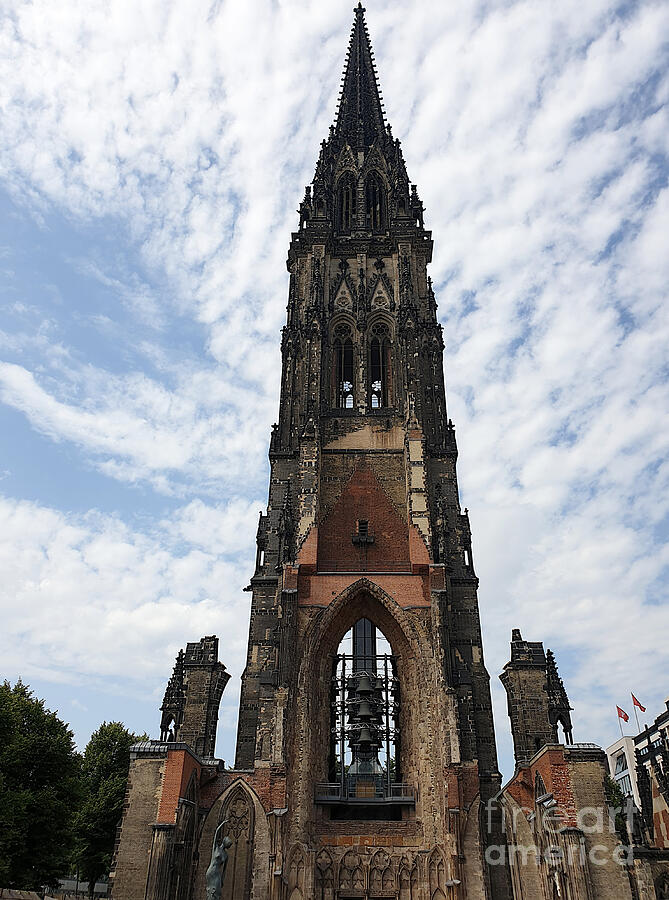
(636, 703)
(622, 714)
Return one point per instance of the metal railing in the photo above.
(361, 789)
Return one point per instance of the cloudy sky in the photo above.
(152, 156)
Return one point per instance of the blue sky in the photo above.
(152, 157)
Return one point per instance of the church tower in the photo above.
(365, 683)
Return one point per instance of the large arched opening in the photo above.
(361, 667)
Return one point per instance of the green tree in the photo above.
(617, 803)
(104, 776)
(39, 784)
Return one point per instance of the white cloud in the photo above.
(89, 600)
(137, 428)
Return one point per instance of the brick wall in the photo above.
(364, 498)
(178, 769)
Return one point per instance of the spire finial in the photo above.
(360, 117)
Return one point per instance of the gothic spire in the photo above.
(360, 118)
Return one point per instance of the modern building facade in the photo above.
(621, 760)
(365, 761)
(649, 774)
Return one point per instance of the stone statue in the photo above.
(219, 860)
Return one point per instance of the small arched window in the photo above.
(379, 367)
(346, 204)
(375, 201)
(343, 367)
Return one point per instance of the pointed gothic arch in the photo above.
(324, 885)
(347, 203)
(296, 873)
(381, 875)
(404, 632)
(415, 882)
(351, 876)
(376, 203)
(379, 364)
(404, 880)
(437, 874)
(343, 358)
(362, 599)
(239, 812)
(247, 827)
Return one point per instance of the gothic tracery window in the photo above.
(375, 202)
(346, 204)
(239, 817)
(379, 367)
(343, 367)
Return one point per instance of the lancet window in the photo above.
(375, 202)
(379, 367)
(343, 367)
(346, 204)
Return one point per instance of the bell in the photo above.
(364, 710)
(364, 684)
(365, 736)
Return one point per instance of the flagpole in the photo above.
(620, 722)
(636, 716)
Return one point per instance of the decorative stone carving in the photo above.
(343, 301)
(381, 875)
(296, 875)
(324, 876)
(437, 876)
(351, 873)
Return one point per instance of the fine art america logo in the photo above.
(557, 844)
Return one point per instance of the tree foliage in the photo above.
(104, 775)
(39, 791)
(617, 803)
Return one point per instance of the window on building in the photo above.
(621, 764)
(625, 785)
(343, 367)
(375, 200)
(346, 204)
(379, 367)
